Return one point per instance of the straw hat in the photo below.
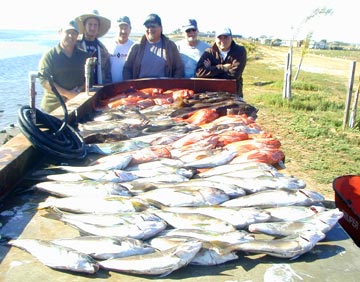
(104, 26)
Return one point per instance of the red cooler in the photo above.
(347, 200)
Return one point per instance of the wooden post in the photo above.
(285, 77)
(349, 94)
(289, 73)
(354, 108)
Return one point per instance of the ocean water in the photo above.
(20, 52)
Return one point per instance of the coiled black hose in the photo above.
(51, 135)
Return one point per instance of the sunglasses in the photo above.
(190, 30)
(151, 26)
(223, 37)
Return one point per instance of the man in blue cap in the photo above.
(155, 56)
(225, 59)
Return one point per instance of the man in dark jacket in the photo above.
(225, 59)
(155, 56)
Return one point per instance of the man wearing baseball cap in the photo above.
(92, 26)
(121, 49)
(155, 56)
(191, 48)
(64, 65)
(225, 59)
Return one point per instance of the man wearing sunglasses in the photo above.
(155, 56)
(225, 59)
(191, 48)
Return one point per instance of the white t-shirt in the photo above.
(190, 55)
(118, 58)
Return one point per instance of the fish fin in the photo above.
(154, 203)
(53, 213)
(166, 273)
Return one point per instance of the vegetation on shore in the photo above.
(310, 125)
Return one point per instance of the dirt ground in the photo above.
(311, 63)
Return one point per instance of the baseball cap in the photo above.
(69, 26)
(124, 20)
(153, 18)
(223, 31)
(191, 23)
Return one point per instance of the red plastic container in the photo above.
(347, 199)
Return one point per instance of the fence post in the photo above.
(349, 94)
(354, 108)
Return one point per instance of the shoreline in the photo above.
(7, 133)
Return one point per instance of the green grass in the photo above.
(310, 125)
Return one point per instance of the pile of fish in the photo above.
(165, 187)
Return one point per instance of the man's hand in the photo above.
(207, 63)
(226, 67)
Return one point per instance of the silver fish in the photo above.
(159, 171)
(163, 178)
(292, 213)
(101, 219)
(100, 247)
(115, 175)
(184, 196)
(253, 169)
(56, 256)
(232, 190)
(221, 158)
(159, 263)
(265, 182)
(119, 161)
(276, 198)
(239, 218)
(287, 228)
(194, 221)
(227, 238)
(291, 246)
(261, 183)
(142, 230)
(82, 188)
(116, 147)
(95, 204)
(210, 254)
(156, 164)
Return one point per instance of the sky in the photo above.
(285, 19)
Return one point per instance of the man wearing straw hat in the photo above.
(93, 26)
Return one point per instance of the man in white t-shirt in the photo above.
(121, 50)
(191, 48)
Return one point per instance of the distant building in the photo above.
(318, 44)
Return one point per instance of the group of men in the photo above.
(155, 55)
